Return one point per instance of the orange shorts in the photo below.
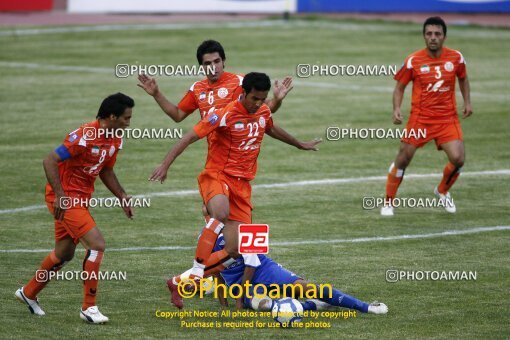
(76, 223)
(440, 133)
(238, 191)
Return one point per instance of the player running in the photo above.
(433, 109)
(231, 164)
(71, 170)
(262, 270)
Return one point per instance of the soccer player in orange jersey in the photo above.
(231, 164)
(71, 170)
(433, 71)
(214, 92)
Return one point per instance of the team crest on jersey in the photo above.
(213, 118)
(95, 150)
(222, 92)
(262, 122)
(424, 69)
(201, 96)
(112, 150)
(448, 66)
(239, 126)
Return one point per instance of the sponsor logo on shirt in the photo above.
(262, 122)
(112, 150)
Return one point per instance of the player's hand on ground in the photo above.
(59, 207)
(468, 111)
(126, 206)
(148, 84)
(397, 117)
(311, 145)
(281, 89)
(159, 174)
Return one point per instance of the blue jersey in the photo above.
(267, 271)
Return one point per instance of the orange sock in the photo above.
(50, 263)
(91, 265)
(207, 240)
(450, 175)
(218, 261)
(395, 177)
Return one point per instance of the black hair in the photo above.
(257, 81)
(209, 46)
(437, 21)
(115, 104)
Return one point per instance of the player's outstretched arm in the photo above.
(151, 87)
(245, 281)
(110, 180)
(398, 96)
(222, 291)
(278, 133)
(159, 174)
(280, 91)
(466, 94)
(50, 164)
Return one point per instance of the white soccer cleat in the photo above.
(321, 305)
(446, 201)
(377, 308)
(387, 210)
(93, 315)
(33, 305)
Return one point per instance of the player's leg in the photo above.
(396, 175)
(455, 152)
(94, 244)
(335, 297)
(63, 252)
(221, 259)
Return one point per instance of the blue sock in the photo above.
(341, 299)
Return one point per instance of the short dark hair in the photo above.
(209, 46)
(256, 80)
(437, 21)
(115, 104)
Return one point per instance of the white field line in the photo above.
(305, 242)
(299, 82)
(332, 181)
(474, 32)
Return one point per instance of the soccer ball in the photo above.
(287, 311)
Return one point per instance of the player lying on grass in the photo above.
(262, 270)
(71, 170)
(231, 164)
(212, 93)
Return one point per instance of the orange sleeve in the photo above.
(461, 71)
(405, 74)
(188, 103)
(74, 144)
(209, 123)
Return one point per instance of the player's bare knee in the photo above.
(232, 251)
(98, 245)
(457, 160)
(220, 215)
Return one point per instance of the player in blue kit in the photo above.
(262, 270)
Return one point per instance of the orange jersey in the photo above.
(208, 97)
(83, 159)
(238, 136)
(433, 98)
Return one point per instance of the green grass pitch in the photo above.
(41, 104)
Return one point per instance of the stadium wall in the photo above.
(458, 6)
